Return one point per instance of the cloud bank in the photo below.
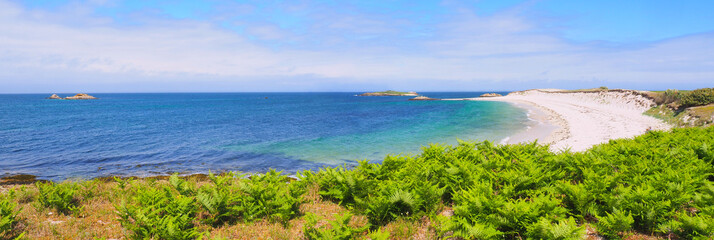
(71, 48)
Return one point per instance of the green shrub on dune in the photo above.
(698, 97)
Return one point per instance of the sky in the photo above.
(49, 46)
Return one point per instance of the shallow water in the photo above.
(151, 134)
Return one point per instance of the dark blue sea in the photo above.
(157, 134)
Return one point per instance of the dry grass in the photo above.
(98, 218)
(692, 116)
(703, 112)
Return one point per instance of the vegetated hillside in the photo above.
(389, 93)
(684, 108)
(658, 184)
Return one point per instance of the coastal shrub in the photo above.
(63, 197)
(698, 97)
(667, 97)
(338, 229)
(683, 99)
(159, 212)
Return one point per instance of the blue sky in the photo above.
(223, 45)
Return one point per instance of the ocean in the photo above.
(145, 134)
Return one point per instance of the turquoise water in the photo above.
(152, 134)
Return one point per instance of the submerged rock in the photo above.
(490, 95)
(54, 96)
(80, 96)
(423, 98)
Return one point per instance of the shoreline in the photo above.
(579, 120)
(544, 126)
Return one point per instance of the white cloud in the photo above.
(465, 49)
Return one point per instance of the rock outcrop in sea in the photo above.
(423, 98)
(490, 95)
(79, 96)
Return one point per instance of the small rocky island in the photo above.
(423, 98)
(389, 93)
(490, 95)
(79, 96)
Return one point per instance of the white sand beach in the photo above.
(579, 120)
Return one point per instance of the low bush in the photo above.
(667, 97)
(698, 97)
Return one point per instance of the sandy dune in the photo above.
(582, 119)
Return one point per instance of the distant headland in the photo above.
(79, 96)
(389, 93)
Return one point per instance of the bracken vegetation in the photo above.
(658, 185)
(61, 197)
(8, 218)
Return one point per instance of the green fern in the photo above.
(159, 213)
(615, 223)
(63, 197)
(562, 230)
(181, 185)
(8, 218)
(338, 229)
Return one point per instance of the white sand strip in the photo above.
(583, 119)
